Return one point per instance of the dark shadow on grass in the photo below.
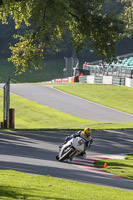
(12, 192)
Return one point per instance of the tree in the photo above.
(127, 17)
(49, 20)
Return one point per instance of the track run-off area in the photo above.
(34, 152)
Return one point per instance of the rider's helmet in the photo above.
(87, 132)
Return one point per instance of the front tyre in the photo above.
(57, 157)
(65, 155)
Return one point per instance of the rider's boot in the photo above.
(82, 154)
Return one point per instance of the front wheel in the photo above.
(65, 155)
(57, 157)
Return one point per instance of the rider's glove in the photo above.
(68, 138)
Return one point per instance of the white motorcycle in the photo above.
(72, 148)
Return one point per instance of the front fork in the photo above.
(74, 153)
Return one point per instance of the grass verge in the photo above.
(117, 97)
(18, 185)
(32, 115)
(120, 167)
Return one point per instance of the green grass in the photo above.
(17, 185)
(32, 75)
(31, 115)
(120, 167)
(113, 126)
(117, 97)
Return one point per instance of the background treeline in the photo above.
(54, 62)
(124, 46)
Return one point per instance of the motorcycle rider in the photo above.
(86, 135)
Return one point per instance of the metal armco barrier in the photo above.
(83, 79)
(118, 81)
(131, 83)
(115, 81)
(106, 80)
(122, 81)
(98, 79)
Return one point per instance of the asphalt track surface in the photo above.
(34, 152)
(70, 104)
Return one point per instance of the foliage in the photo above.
(127, 17)
(48, 21)
(32, 75)
(26, 53)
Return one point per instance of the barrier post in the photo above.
(6, 104)
(11, 118)
(2, 124)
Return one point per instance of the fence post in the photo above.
(4, 108)
(11, 118)
(6, 104)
